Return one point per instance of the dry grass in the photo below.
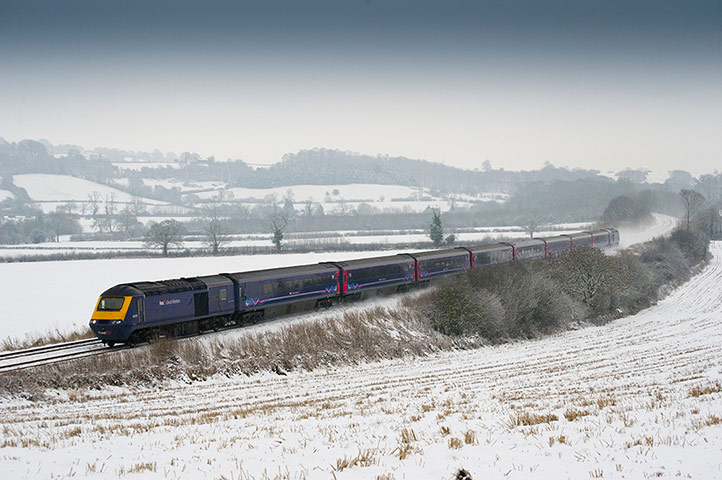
(137, 468)
(364, 458)
(699, 390)
(572, 414)
(529, 418)
(352, 337)
(405, 448)
(54, 336)
(455, 442)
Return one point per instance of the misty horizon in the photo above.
(581, 84)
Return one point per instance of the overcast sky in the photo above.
(600, 84)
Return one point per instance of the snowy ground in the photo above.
(264, 240)
(51, 191)
(4, 195)
(663, 224)
(638, 398)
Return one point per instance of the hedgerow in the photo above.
(525, 299)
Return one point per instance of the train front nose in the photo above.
(108, 320)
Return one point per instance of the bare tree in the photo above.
(164, 235)
(94, 201)
(215, 225)
(530, 222)
(308, 207)
(127, 221)
(711, 185)
(709, 221)
(109, 218)
(137, 205)
(693, 202)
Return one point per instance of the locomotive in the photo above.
(131, 313)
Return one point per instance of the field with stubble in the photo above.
(640, 397)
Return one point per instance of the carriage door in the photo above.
(140, 301)
(200, 302)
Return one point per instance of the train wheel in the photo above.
(111, 344)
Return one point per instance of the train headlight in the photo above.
(93, 322)
(117, 322)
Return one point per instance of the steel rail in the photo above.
(45, 361)
(48, 348)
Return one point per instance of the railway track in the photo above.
(50, 354)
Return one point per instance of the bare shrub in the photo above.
(455, 308)
(694, 244)
(666, 261)
(533, 301)
(590, 276)
(641, 290)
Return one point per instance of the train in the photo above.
(132, 313)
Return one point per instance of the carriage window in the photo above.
(298, 284)
(222, 294)
(267, 288)
(307, 282)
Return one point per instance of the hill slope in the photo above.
(637, 398)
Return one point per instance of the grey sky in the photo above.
(577, 83)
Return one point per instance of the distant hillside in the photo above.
(311, 167)
(322, 166)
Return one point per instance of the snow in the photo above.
(381, 197)
(4, 195)
(64, 188)
(358, 192)
(399, 237)
(621, 394)
(183, 186)
(70, 289)
(137, 166)
(663, 224)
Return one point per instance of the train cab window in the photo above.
(110, 304)
(223, 295)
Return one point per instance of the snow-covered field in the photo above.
(264, 240)
(4, 195)
(637, 398)
(51, 191)
(182, 186)
(338, 197)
